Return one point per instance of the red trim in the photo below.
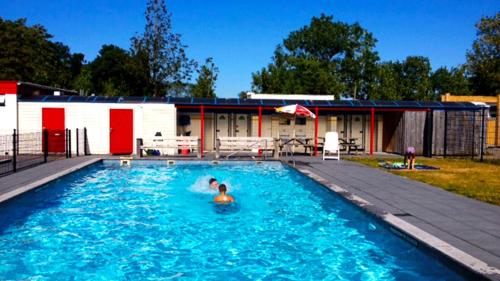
(319, 108)
(369, 109)
(202, 120)
(316, 121)
(8, 87)
(225, 107)
(372, 130)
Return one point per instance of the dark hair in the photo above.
(210, 181)
(222, 188)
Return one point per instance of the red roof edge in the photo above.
(8, 87)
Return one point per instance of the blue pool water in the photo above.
(158, 222)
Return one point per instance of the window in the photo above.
(284, 121)
(184, 120)
(300, 121)
(2, 100)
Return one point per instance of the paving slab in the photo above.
(28, 179)
(469, 225)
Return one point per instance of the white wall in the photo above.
(8, 114)
(148, 119)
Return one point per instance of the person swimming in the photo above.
(223, 198)
(213, 183)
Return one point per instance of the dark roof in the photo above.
(47, 88)
(258, 102)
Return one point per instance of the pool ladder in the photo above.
(288, 149)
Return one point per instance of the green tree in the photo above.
(83, 82)
(27, 53)
(167, 63)
(483, 61)
(111, 72)
(359, 66)
(415, 79)
(205, 83)
(324, 57)
(387, 83)
(450, 81)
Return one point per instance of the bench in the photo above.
(234, 145)
(171, 145)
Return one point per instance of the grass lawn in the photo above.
(473, 179)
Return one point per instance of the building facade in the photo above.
(114, 123)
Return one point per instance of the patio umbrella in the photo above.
(295, 109)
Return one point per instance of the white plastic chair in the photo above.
(331, 146)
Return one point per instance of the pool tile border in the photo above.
(410, 232)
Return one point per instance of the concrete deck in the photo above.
(17, 183)
(468, 225)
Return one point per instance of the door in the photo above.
(121, 131)
(341, 126)
(222, 125)
(357, 130)
(53, 122)
(241, 127)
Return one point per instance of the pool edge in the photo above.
(45, 180)
(409, 231)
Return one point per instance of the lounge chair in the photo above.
(331, 145)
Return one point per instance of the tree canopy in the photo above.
(205, 83)
(27, 53)
(336, 58)
(167, 63)
(325, 57)
(483, 61)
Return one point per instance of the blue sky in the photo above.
(241, 35)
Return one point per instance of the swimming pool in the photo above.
(155, 222)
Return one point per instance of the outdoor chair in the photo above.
(331, 145)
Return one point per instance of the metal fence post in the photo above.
(85, 142)
(45, 139)
(69, 143)
(482, 136)
(428, 133)
(66, 142)
(77, 143)
(473, 133)
(14, 151)
(138, 147)
(445, 141)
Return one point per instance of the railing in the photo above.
(180, 145)
(256, 145)
(23, 150)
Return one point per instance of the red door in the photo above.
(121, 131)
(53, 121)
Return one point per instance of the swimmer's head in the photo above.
(222, 188)
(213, 183)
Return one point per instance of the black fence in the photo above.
(458, 133)
(21, 151)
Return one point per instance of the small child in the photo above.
(410, 157)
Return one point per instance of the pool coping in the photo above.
(47, 179)
(408, 231)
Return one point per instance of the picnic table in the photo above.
(349, 143)
(306, 142)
